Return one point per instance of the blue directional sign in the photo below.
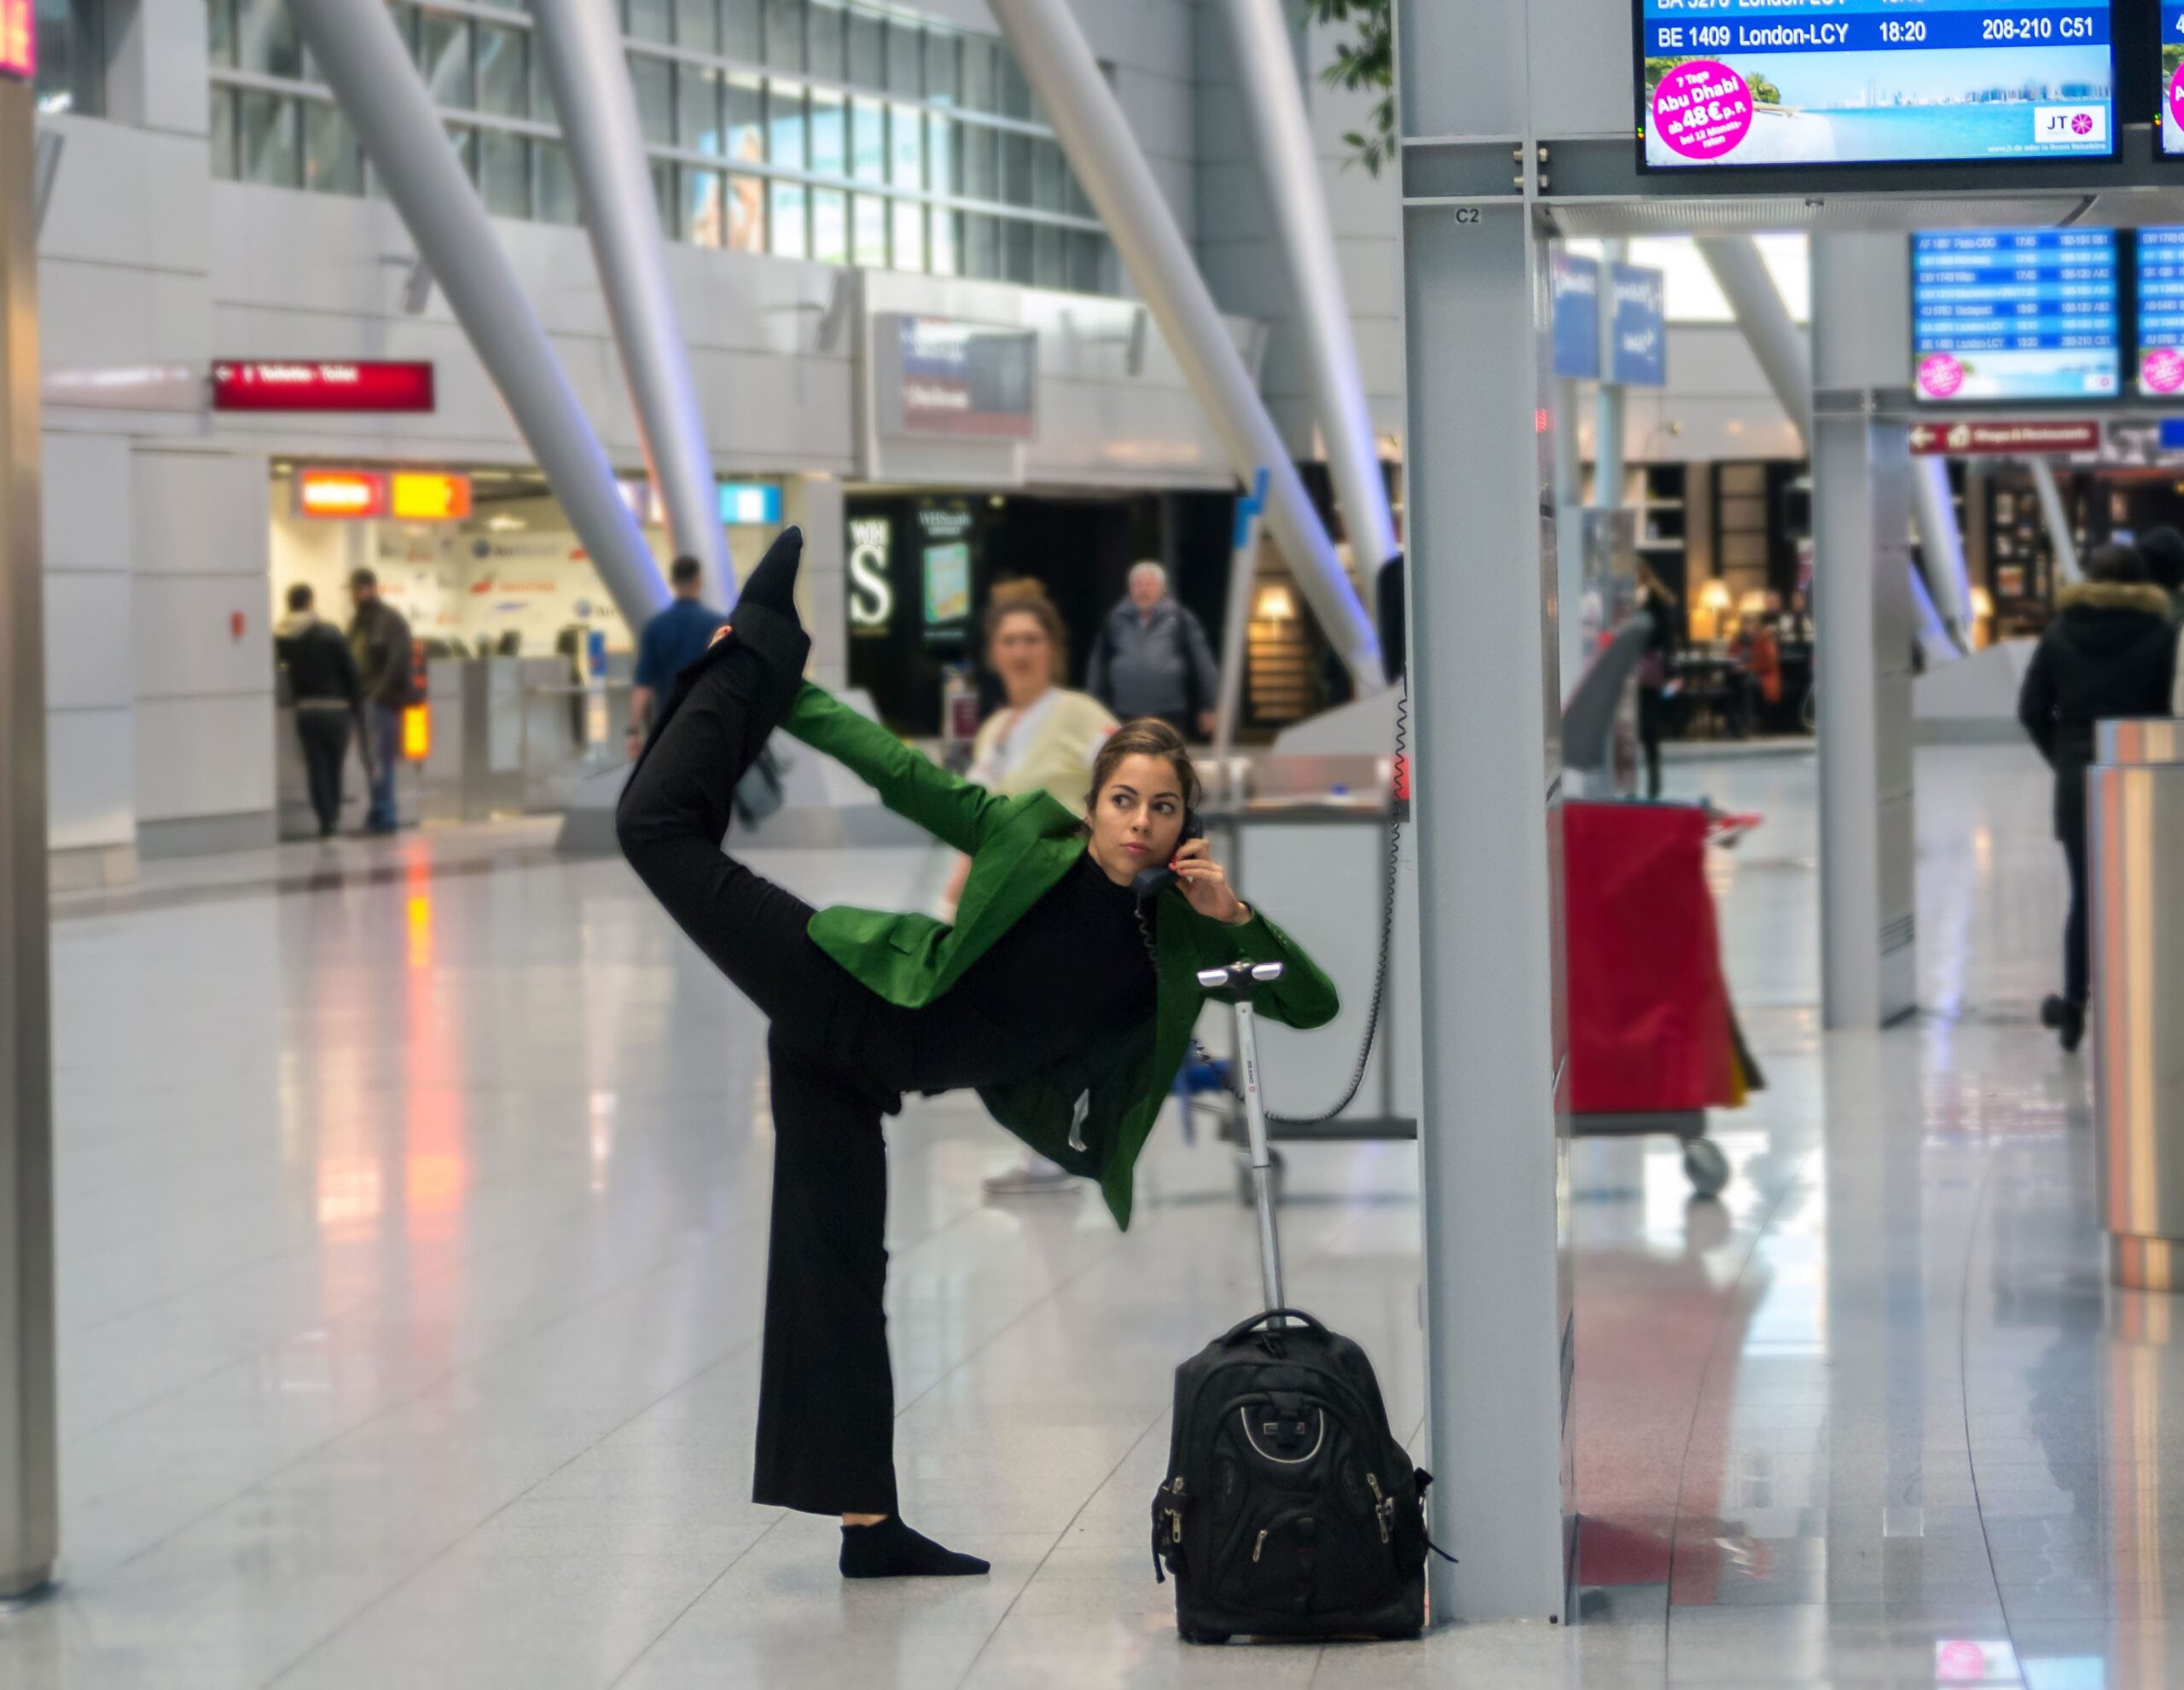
(1640, 326)
(1576, 283)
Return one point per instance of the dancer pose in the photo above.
(1062, 1001)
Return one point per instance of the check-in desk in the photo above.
(515, 736)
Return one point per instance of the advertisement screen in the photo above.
(2172, 78)
(2161, 312)
(1741, 84)
(2012, 314)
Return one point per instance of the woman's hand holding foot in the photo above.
(886, 1549)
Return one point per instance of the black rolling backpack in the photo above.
(1289, 1510)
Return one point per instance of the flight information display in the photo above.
(2161, 312)
(2015, 314)
(2172, 78)
(1737, 83)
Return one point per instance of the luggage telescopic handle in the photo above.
(1239, 977)
(1243, 1328)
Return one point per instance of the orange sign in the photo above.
(417, 732)
(343, 493)
(18, 39)
(421, 497)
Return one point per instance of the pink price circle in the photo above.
(1940, 376)
(1702, 110)
(2176, 96)
(2162, 370)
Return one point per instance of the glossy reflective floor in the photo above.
(412, 1219)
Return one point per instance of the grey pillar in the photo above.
(1941, 543)
(1289, 164)
(2060, 538)
(1609, 426)
(1861, 522)
(1569, 534)
(29, 1508)
(1743, 277)
(1052, 49)
(358, 52)
(582, 42)
(1487, 809)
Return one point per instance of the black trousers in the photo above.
(325, 737)
(840, 1058)
(2077, 965)
(1652, 709)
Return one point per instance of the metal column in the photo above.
(1609, 424)
(358, 51)
(1488, 808)
(1095, 136)
(1941, 542)
(1274, 106)
(30, 1507)
(1769, 329)
(1861, 527)
(582, 42)
(2060, 539)
(1569, 534)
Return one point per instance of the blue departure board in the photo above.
(2015, 314)
(1738, 83)
(2161, 312)
(2172, 77)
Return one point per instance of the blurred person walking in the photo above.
(1654, 668)
(671, 641)
(2110, 652)
(1045, 739)
(378, 639)
(1152, 659)
(327, 693)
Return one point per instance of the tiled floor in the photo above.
(412, 1230)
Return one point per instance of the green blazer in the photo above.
(1093, 1111)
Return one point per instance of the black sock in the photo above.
(891, 1550)
(772, 585)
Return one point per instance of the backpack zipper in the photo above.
(1384, 1510)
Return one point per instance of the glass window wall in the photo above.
(836, 126)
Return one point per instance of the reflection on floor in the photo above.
(411, 1231)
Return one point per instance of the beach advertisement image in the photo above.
(2015, 314)
(1738, 83)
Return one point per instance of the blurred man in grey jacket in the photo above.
(1152, 659)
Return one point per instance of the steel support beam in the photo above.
(1862, 483)
(1050, 46)
(1610, 424)
(1941, 544)
(1742, 276)
(582, 42)
(1487, 809)
(30, 1507)
(1289, 164)
(2060, 539)
(358, 51)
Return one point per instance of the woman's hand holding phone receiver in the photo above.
(1205, 883)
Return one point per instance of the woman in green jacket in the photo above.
(1066, 1002)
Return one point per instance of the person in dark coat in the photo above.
(378, 639)
(1152, 657)
(2163, 551)
(2110, 652)
(324, 689)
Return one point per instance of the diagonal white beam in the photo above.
(1096, 136)
(358, 52)
(582, 42)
